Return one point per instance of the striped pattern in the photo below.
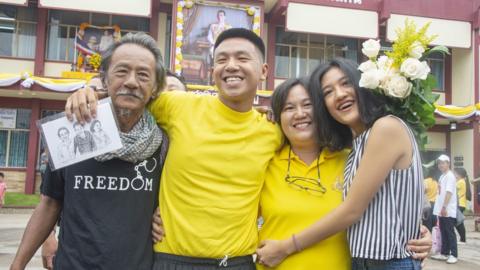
(394, 215)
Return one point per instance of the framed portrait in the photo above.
(70, 142)
(198, 24)
(91, 42)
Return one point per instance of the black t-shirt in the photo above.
(107, 212)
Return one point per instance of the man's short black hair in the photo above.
(241, 33)
(2, 175)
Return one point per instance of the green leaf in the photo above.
(440, 49)
(425, 100)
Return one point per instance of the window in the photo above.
(17, 31)
(297, 54)
(63, 26)
(168, 42)
(14, 141)
(436, 61)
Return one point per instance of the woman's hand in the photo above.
(158, 233)
(421, 246)
(272, 252)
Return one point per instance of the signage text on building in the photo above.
(358, 2)
(8, 118)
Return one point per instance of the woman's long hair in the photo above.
(463, 174)
(332, 133)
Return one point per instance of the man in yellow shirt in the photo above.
(431, 191)
(462, 191)
(214, 171)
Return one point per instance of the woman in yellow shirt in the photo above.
(303, 183)
(431, 192)
(462, 179)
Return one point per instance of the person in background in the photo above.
(463, 191)
(175, 82)
(431, 190)
(43, 161)
(3, 189)
(446, 210)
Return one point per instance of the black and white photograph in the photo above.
(71, 142)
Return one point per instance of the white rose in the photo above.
(370, 48)
(425, 70)
(416, 50)
(369, 79)
(398, 86)
(384, 62)
(414, 69)
(367, 65)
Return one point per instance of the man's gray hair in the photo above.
(143, 40)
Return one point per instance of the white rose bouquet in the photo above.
(403, 77)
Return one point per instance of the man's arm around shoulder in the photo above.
(38, 228)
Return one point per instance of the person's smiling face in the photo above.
(238, 69)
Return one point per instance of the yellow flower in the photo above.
(95, 60)
(406, 38)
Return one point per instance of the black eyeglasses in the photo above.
(310, 185)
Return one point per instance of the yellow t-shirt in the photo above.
(431, 189)
(287, 210)
(213, 175)
(461, 192)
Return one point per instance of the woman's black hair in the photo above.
(279, 96)
(463, 174)
(333, 134)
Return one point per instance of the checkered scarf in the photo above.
(139, 143)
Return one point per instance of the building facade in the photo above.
(38, 37)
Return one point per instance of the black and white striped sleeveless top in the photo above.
(394, 215)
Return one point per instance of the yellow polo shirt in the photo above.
(461, 192)
(213, 175)
(287, 210)
(431, 189)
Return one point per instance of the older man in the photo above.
(107, 202)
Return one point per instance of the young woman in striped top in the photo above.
(383, 190)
